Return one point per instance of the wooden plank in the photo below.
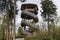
(30, 14)
(29, 10)
(29, 24)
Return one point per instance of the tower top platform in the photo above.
(29, 6)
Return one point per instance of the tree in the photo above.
(11, 10)
(2, 4)
(8, 6)
(3, 27)
(22, 0)
(49, 11)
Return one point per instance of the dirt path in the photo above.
(20, 39)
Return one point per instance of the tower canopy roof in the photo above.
(29, 6)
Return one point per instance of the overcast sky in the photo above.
(56, 2)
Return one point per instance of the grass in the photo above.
(43, 35)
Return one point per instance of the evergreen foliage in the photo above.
(49, 9)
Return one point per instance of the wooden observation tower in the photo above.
(29, 12)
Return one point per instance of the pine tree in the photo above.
(48, 13)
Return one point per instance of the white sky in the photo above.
(56, 2)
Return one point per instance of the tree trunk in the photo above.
(49, 28)
(8, 30)
(48, 25)
(3, 28)
(14, 19)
